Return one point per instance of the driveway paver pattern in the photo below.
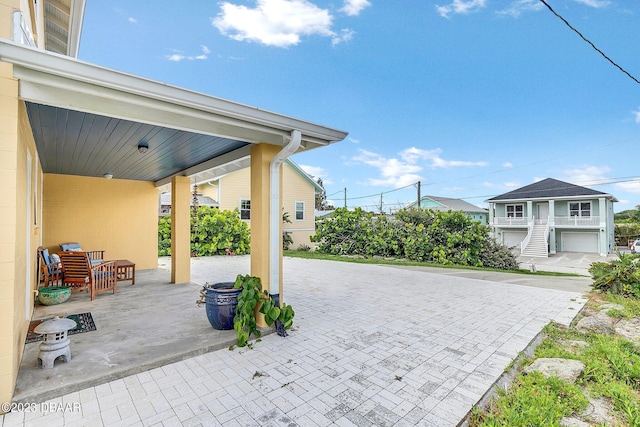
(371, 346)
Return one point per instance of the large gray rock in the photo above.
(601, 324)
(629, 329)
(565, 369)
(600, 412)
(573, 422)
(611, 306)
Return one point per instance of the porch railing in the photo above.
(558, 221)
(577, 221)
(510, 221)
(527, 239)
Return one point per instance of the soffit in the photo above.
(88, 120)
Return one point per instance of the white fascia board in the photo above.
(55, 68)
(76, 19)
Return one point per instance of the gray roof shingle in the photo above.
(548, 188)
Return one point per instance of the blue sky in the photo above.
(473, 98)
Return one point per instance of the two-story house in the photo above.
(552, 216)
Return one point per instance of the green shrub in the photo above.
(416, 234)
(620, 276)
(213, 233)
(496, 255)
(164, 236)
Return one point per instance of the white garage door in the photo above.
(513, 238)
(580, 242)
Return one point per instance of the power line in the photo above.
(588, 41)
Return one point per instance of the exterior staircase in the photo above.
(537, 246)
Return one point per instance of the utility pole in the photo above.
(345, 197)
(380, 202)
(418, 194)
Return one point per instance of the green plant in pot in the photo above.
(244, 322)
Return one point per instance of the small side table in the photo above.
(125, 270)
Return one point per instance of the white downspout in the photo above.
(275, 216)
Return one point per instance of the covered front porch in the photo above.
(94, 146)
(143, 326)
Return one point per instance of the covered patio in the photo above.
(93, 147)
(140, 327)
(371, 345)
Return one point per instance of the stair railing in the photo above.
(527, 239)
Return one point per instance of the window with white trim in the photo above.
(245, 209)
(515, 211)
(581, 209)
(299, 211)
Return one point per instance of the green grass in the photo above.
(612, 372)
(532, 400)
(401, 262)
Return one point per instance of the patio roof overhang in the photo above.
(88, 120)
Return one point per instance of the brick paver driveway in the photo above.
(371, 346)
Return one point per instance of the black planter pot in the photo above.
(221, 302)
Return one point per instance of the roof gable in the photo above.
(450, 204)
(548, 189)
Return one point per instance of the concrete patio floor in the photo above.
(371, 346)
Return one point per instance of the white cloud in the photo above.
(519, 7)
(354, 7)
(345, 35)
(414, 154)
(405, 170)
(279, 23)
(179, 56)
(461, 7)
(507, 165)
(315, 171)
(132, 20)
(587, 175)
(630, 186)
(637, 115)
(594, 3)
(176, 57)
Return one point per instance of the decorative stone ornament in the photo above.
(55, 342)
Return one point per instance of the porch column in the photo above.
(180, 230)
(529, 211)
(552, 226)
(604, 240)
(261, 155)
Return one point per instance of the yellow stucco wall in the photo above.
(18, 233)
(298, 189)
(115, 215)
(237, 185)
(233, 187)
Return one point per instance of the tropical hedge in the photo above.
(415, 234)
(213, 232)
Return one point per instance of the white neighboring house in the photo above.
(551, 216)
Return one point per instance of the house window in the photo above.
(299, 211)
(582, 209)
(245, 209)
(515, 211)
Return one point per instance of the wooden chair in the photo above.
(81, 275)
(96, 257)
(50, 271)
